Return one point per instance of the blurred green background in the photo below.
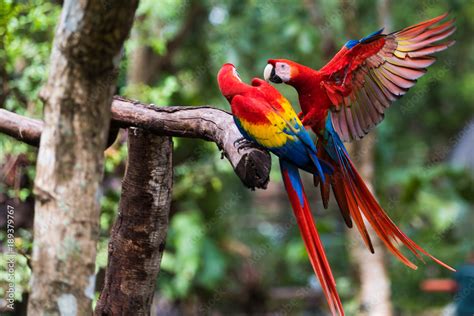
(231, 250)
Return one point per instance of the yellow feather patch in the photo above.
(268, 135)
(273, 135)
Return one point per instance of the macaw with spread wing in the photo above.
(347, 97)
(266, 118)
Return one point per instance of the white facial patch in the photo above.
(283, 71)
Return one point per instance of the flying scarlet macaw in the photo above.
(347, 97)
(265, 117)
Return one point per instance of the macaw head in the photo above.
(229, 81)
(280, 70)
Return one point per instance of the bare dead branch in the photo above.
(26, 129)
(252, 165)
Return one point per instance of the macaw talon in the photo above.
(240, 141)
(245, 144)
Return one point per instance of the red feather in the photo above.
(382, 66)
(314, 247)
(358, 200)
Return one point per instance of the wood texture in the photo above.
(138, 236)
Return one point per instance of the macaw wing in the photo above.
(278, 102)
(282, 107)
(282, 132)
(366, 76)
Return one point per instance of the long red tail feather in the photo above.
(359, 200)
(310, 236)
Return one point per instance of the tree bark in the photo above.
(22, 128)
(375, 292)
(138, 236)
(86, 51)
(252, 164)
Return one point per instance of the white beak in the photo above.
(267, 72)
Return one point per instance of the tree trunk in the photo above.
(139, 234)
(375, 293)
(86, 50)
(129, 283)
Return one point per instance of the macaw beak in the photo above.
(270, 75)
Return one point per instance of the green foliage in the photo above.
(28, 28)
(186, 237)
(191, 257)
(437, 202)
(154, 95)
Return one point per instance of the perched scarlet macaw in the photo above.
(265, 117)
(346, 98)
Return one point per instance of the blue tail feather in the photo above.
(295, 179)
(335, 147)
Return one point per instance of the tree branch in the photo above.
(25, 129)
(252, 165)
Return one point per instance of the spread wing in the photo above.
(367, 75)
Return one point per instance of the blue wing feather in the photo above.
(351, 43)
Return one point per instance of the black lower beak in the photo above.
(274, 78)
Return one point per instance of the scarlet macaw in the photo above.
(347, 97)
(265, 117)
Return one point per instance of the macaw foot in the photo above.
(243, 143)
(240, 141)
